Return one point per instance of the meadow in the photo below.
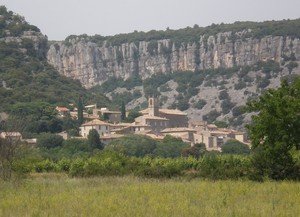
(53, 194)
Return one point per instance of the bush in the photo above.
(48, 140)
(223, 167)
(238, 110)
(235, 147)
(226, 106)
(133, 145)
(223, 95)
(195, 151)
(263, 83)
(170, 147)
(211, 116)
(200, 104)
(240, 85)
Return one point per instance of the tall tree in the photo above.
(94, 140)
(80, 111)
(275, 130)
(123, 111)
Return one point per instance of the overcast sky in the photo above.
(60, 18)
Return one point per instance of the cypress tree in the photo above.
(94, 140)
(80, 111)
(123, 111)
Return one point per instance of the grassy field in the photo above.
(58, 195)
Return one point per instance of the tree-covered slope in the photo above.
(192, 34)
(25, 75)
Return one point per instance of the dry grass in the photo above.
(58, 195)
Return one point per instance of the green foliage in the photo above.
(238, 110)
(274, 132)
(221, 124)
(291, 65)
(94, 140)
(48, 140)
(263, 83)
(196, 151)
(226, 106)
(170, 147)
(211, 116)
(240, 85)
(223, 95)
(28, 76)
(133, 145)
(192, 35)
(80, 111)
(235, 147)
(152, 47)
(200, 104)
(132, 115)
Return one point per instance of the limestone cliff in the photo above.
(92, 63)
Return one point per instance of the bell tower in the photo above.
(153, 106)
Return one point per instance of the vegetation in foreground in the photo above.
(56, 195)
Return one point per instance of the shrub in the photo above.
(223, 95)
(263, 83)
(235, 147)
(195, 151)
(211, 116)
(221, 124)
(238, 110)
(226, 106)
(240, 85)
(45, 166)
(170, 147)
(200, 104)
(48, 140)
(133, 145)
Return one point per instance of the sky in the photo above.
(59, 18)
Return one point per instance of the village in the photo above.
(153, 122)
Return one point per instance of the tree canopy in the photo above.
(133, 145)
(275, 129)
(235, 147)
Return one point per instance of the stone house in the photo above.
(102, 128)
(110, 116)
(62, 111)
(186, 134)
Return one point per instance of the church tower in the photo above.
(153, 106)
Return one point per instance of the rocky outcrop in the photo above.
(92, 64)
(37, 39)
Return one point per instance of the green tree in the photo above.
(80, 111)
(123, 111)
(275, 130)
(233, 146)
(133, 145)
(48, 140)
(195, 151)
(170, 147)
(133, 114)
(94, 140)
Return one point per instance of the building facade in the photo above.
(102, 128)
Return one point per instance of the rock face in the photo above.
(93, 64)
(38, 40)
